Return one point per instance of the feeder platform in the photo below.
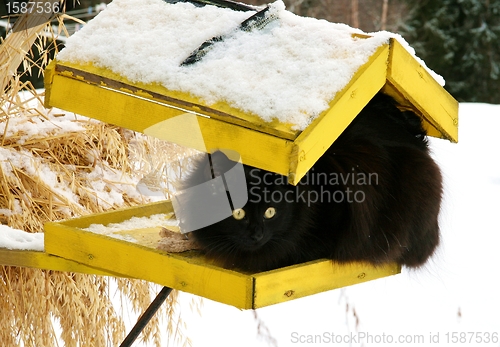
(190, 271)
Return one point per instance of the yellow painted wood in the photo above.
(190, 271)
(314, 277)
(180, 271)
(256, 148)
(45, 261)
(312, 143)
(119, 215)
(155, 92)
(437, 107)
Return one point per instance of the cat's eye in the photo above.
(270, 213)
(239, 214)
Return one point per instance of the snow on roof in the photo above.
(289, 70)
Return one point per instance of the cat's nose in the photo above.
(257, 235)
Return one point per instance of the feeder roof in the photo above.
(289, 70)
(285, 84)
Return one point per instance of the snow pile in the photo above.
(290, 70)
(16, 239)
(31, 128)
(153, 221)
(116, 230)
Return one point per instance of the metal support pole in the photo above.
(146, 317)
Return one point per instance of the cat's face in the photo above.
(265, 218)
(265, 233)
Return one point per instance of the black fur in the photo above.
(387, 213)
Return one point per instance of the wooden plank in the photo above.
(310, 278)
(256, 148)
(312, 143)
(220, 110)
(118, 215)
(45, 261)
(185, 271)
(435, 104)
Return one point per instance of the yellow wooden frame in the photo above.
(45, 261)
(189, 271)
(99, 93)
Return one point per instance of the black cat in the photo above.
(374, 196)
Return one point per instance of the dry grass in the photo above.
(52, 174)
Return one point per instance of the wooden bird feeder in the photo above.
(104, 95)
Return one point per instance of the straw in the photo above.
(51, 175)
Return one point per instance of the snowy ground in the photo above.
(455, 296)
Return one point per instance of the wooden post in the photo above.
(383, 19)
(355, 13)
